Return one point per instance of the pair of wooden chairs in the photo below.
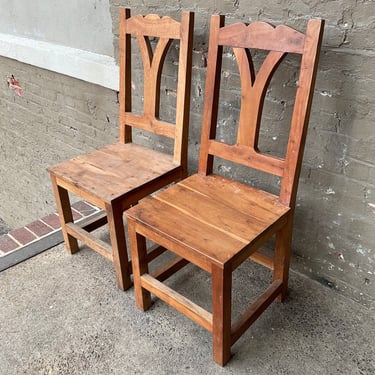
(206, 219)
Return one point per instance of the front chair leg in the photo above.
(118, 243)
(221, 313)
(283, 249)
(140, 266)
(65, 215)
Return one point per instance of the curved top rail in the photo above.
(154, 25)
(262, 35)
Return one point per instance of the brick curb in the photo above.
(40, 235)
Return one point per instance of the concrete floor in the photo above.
(62, 314)
(3, 227)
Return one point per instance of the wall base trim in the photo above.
(90, 67)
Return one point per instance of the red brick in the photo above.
(22, 235)
(39, 228)
(52, 220)
(76, 214)
(7, 244)
(84, 208)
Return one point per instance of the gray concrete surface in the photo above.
(62, 314)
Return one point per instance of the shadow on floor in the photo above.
(4, 228)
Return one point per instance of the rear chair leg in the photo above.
(65, 214)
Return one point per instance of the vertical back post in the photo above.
(211, 94)
(301, 113)
(183, 91)
(125, 132)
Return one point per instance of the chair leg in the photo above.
(140, 266)
(65, 214)
(221, 311)
(283, 249)
(118, 243)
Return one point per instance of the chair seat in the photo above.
(110, 171)
(214, 217)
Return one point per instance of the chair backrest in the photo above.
(279, 41)
(142, 28)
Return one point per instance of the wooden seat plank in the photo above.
(128, 167)
(216, 213)
(201, 238)
(240, 196)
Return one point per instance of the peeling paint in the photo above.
(326, 93)
(343, 162)
(198, 91)
(361, 250)
(14, 85)
(339, 255)
(224, 168)
(330, 191)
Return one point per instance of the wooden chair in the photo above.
(116, 176)
(215, 222)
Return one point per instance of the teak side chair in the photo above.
(217, 223)
(118, 175)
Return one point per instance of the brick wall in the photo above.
(334, 238)
(57, 117)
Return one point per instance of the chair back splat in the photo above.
(116, 176)
(279, 41)
(166, 29)
(215, 222)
